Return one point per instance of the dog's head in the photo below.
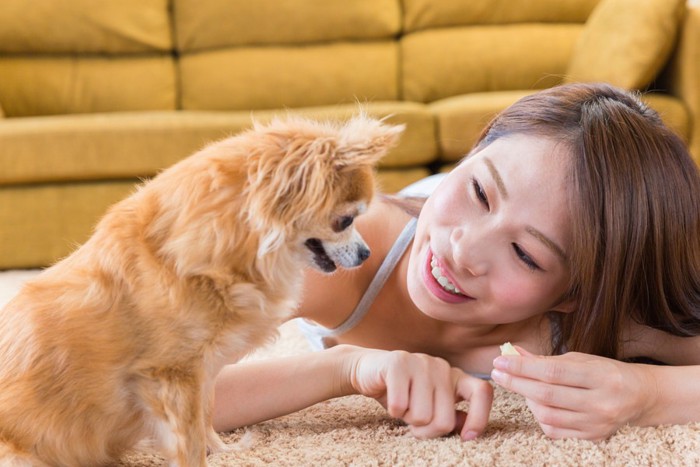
(309, 180)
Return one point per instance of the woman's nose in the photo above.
(469, 248)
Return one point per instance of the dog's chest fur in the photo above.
(240, 316)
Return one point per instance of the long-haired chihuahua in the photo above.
(123, 339)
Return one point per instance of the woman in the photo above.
(571, 230)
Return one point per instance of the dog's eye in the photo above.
(343, 223)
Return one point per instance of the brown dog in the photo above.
(123, 339)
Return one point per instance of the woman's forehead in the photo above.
(519, 145)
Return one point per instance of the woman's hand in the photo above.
(422, 390)
(578, 395)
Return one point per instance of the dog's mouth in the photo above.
(321, 258)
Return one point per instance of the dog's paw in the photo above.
(216, 445)
(248, 441)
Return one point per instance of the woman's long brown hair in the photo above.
(635, 213)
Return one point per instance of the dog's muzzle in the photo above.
(328, 256)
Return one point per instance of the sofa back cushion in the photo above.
(454, 47)
(238, 54)
(427, 14)
(74, 56)
(210, 24)
(626, 42)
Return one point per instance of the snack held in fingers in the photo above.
(122, 340)
(508, 349)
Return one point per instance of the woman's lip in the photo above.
(435, 288)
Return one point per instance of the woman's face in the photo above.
(492, 241)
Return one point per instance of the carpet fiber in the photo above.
(355, 431)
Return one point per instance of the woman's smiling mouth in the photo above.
(438, 283)
(442, 278)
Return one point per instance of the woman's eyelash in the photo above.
(525, 258)
(480, 193)
(522, 256)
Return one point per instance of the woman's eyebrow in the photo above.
(497, 178)
(549, 243)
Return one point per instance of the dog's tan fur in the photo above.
(123, 339)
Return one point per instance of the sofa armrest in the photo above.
(684, 79)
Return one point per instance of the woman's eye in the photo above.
(479, 192)
(525, 258)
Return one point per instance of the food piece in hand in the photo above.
(508, 349)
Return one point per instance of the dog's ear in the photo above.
(365, 140)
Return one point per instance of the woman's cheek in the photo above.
(515, 294)
(447, 199)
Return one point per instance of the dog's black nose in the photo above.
(363, 253)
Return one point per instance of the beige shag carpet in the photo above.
(355, 431)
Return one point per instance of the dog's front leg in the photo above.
(174, 397)
(214, 442)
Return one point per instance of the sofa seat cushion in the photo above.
(394, 180)
(131, 145)
(43, 223)
(461, 119)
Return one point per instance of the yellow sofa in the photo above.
(95, 96)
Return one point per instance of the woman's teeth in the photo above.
(442, 280)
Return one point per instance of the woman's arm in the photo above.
(584, 396)
(420, 389)
(250, 392)
(675, 399)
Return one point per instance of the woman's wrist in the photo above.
(671, 395)
(344, 359)
(647, 400)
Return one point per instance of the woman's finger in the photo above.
(443, 421)
(555, 370)
(421, 399)
(479, 393)
(556, 432)
(397, 392)
(443, 416)
(553, 395)
(559, 423)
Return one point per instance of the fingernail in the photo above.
(498, 376)
(470, 435)
(501, 362)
